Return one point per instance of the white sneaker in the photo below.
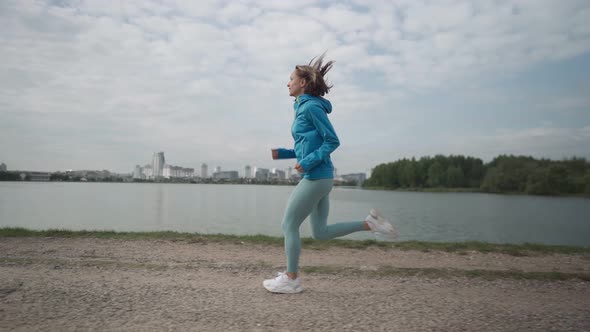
(283, 284)
(379, 224)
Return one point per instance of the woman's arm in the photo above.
(319, 118)
(281, 153)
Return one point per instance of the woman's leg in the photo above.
(319, 223)
(303, 200)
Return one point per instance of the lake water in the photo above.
(253, 209)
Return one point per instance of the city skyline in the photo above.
(243, 171)
(159, 168)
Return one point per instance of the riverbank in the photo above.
(473, 191)
(173, 281)
(336, 184)
(527, 249)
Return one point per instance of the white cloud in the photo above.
(208, 78)
(541, 142)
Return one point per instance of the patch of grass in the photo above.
(17, 261)
(327, 270)
(437, 273)
(383, 271)
(427, 190)
(98, 263)
(156, 235)
(462, 248)
(526, 249)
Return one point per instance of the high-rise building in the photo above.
(158, 163)
(3, 167)
(262, 174)
(171, 171)
(138, 172)
(248, 172)
(204, 170)
(147, 172)
(289, 172)
(278, 174)
(357, 178)
(167, 171)
(227, 175)
(217, 169)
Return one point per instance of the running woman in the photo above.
(315, 140)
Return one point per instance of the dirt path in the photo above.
(60, 284)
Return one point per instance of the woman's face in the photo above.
(296, 85)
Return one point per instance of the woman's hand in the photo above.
(299, 168)
(275, 154)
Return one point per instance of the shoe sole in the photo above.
(295, 291)
(299, 289)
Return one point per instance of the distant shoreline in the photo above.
(471, 190)
(526, 249)
(378, 188)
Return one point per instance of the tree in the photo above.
(503, 174)
(558, 179)
(490, 181)
(474, 173)
(538, 183)
(408, 178)
(509, 174)
(455, 177)
(436, 175)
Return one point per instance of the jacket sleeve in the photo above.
(319, 118)
(286, 153)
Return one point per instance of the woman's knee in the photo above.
(319, 235)
(289, 226)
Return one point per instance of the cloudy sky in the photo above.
(104, 84)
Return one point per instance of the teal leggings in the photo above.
(311, 198)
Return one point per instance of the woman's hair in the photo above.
(313, 74)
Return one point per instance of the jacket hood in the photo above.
(321, 101)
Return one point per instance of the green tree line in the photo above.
(504, 174)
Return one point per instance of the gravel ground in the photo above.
(61, 284)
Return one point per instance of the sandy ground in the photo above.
(60, 284)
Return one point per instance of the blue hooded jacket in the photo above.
(315, 138)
